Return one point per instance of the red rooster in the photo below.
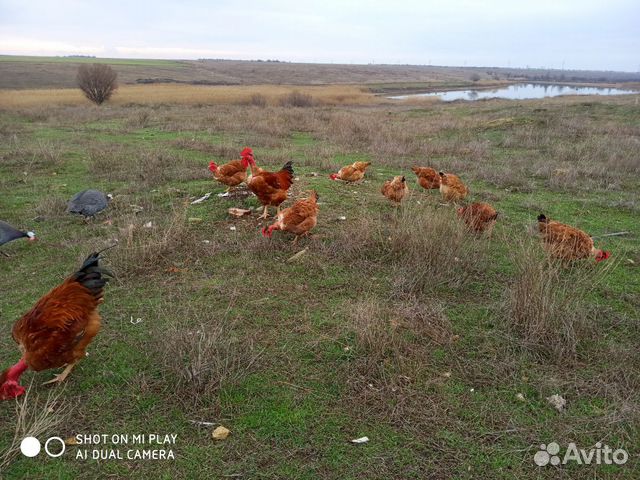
(233, 173)
(270, 188)
(59, 328)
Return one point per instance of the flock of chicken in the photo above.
(57, 330)
(271, 188)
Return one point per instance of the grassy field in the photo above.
(395, 324)
(77, 60)
(25, 72)
(59, 72)
(168, 94)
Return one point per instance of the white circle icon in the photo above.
(30, 446)
(62, 449)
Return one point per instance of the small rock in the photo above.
(220, 433)
(232, 228)
(239, 212)
(520, 397)
(297, 255)
(360, 440)
(557, 402)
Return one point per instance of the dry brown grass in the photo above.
(203, 353)
(143, 250)
(139, 119)
(297, 99)
(388, 329)
(192, 95)
(35, 418)
(389, 361)
(52, 207)
(43, 155)
(149, 168)
(546, 306)
(423, 247)
(258, 100)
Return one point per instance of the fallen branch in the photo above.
(616, 234)
(297, 255)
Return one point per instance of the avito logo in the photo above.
(601, 454)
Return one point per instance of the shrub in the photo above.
(297, 99)
(97, 82)
(258, 100)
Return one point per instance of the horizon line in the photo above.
(274, 60)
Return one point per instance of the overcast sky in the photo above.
(582, 34)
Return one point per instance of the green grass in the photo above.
(313, 385)
(110, 61)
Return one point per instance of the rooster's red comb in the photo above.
(246, 151)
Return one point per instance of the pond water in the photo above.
(519, 91)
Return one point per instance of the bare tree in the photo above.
(97, 82)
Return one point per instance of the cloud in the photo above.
(175, 52)
(31, 46)
(588, 34)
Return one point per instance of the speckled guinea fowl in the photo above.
(88, 202)
(9, 233)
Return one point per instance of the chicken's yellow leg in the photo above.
(62, 376)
